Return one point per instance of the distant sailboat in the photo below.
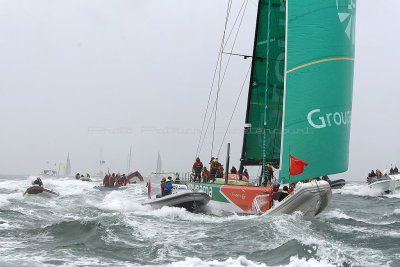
(68, 167)
(158, 167)
(100, 173)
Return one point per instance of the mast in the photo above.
(266, 97)
(250, 87)
(129, 160)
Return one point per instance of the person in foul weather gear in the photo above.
(77, 176)
(106, 182)
(269, 173)
(233, 170)
(168, 186)
(220, 170)
(205, 175)
(395, 170)
(111, 180)
(197, 167)
(213, 168)
(272, 193)
(284, 193)
(162, 186)
(87, 175)
(371, 174)
(116, 182)
(291, 189)
(246, 174)
(38, 181)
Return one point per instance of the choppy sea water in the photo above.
(85, 226)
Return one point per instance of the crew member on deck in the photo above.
(220, 170)
(197, 167)
(269, 173)
(371, 174)
(213, 168)
(395, 170)
(246, 174)
(233, 170)
(206, 175)
(77, 176)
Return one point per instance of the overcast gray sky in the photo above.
(77, 76)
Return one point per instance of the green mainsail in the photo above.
(319, 86)
(267, 78)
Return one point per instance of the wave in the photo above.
(243, 261)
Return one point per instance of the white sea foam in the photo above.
(243, 261)
(396, 212)
(240, 261)
(336, 214)
(358, 190)
(121, 201)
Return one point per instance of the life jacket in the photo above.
(162, 186)
(111, 180)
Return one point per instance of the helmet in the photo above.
(268, 165)
(197, 159)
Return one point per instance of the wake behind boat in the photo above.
(180, 197)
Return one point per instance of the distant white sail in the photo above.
(68, 167)
(159, 164)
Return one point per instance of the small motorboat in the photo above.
(182, 197)
(38, 190)
(382, 185)
(337, 184)
(85, 179)
(109, 188)
(309, 198)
